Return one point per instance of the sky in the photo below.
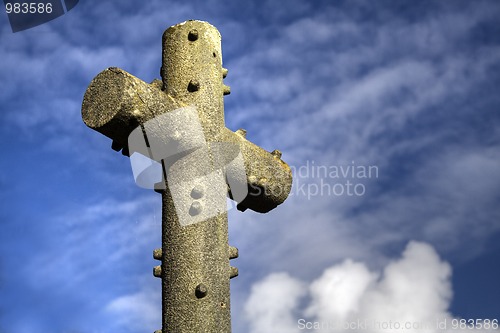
(387, 111)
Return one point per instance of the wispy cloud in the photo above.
(98, 240)
(140, 311)
(386, 99)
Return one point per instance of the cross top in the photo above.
(174, 132)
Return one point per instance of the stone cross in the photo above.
(176, 127)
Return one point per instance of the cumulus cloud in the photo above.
(272, 302)
(337, 293)
(411, 293)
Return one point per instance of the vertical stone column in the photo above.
(195, 268)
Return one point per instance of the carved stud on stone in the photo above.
(157, 254)
(233, 252)
(242, 132)
(233, 272)
(193, 35)
(201, 290)
(276, 153)
(157, 271)
(193, 86)
(197, 192)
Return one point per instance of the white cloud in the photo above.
(338, 291)
(413, 292)
(140, 311)
(415, 288)
(271, 304)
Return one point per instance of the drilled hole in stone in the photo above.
(193, 86)
(193, 35)
(214, 54)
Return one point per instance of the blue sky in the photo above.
(411, 88)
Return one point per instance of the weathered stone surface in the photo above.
(195, 267)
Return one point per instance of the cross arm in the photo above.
(117, 102)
